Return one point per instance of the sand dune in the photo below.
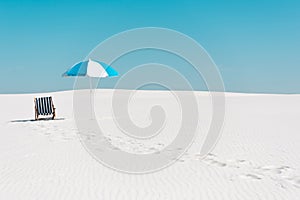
(257, 156)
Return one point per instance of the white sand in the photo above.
(257, 156)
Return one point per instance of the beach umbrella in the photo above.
(91, 69)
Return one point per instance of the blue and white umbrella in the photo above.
(91, 68)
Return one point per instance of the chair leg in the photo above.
(36, 116)
(53, 114)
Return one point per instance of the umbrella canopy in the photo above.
(91, 68)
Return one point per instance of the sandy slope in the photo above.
(257, 156)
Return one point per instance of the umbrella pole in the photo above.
(91, 96)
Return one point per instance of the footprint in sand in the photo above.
(178, 159)
(295, 181)
(274, 169)
(212, 160)
(252, 176)
(219, 164)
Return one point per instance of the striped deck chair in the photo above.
(44, 106)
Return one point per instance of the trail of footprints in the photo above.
(54, 131)
(282, 175)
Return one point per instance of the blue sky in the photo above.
(256, 44)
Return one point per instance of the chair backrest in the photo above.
(44, 105)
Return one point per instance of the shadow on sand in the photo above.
(33, 120)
